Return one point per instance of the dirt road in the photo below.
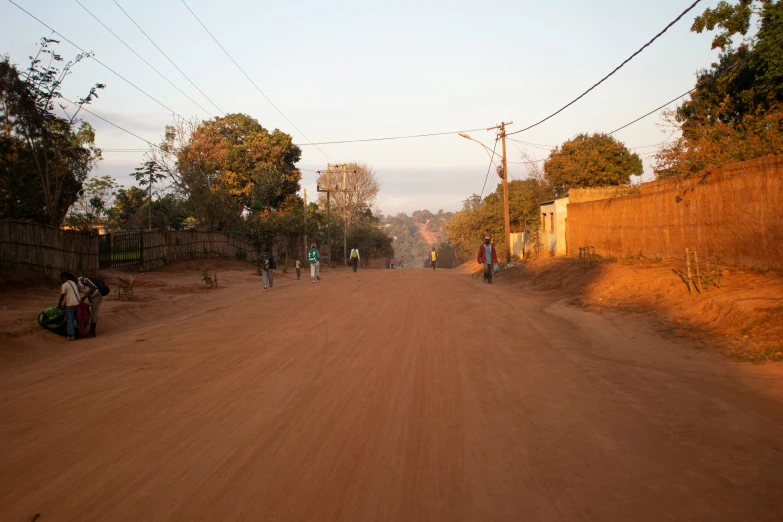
(405, 395)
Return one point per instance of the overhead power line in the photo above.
(251, 81)
(564, 107)
(532, 144)
(701, 84)
(550, 147)
(488, 169)
(131, 49)
(392, 137)
(167, 57)
(526, 162)
(94, 58)
(82, 107)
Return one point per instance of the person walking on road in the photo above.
(433, 258)
(355, 258)
(69, 300)
(267, 265)
(90, 292)
(314, 258)
(298, 270)
(487, 256)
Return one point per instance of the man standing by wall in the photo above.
(487, 256)
(433, 258)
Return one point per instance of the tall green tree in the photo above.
(736, 111)
(94, 204)
(44, 158)
(590, 160)
(372, 242)
(146, 176)
(227, 166)
(127, 202)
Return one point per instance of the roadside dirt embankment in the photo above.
(744, 317)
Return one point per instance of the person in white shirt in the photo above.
(69, 299)
(298, 270)
(354, 257)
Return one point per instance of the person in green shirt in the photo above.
(314, 258)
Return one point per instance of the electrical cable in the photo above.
(142, 59)
(94, 58)
(611, 73)
(701, 84)
(252, 82)
(488, 169)
(167, 57)
(526, 162)
(81, 107)
(531, 144)
(393, 137)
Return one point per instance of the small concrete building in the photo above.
(554, 215)
(554, 219)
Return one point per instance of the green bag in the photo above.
(496, 268)
(53, 319)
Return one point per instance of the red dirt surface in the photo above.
(434, 239)
(384, 395)
(744, 317)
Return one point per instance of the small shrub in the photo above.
(206, 277)
(241, 255)
(759, 355)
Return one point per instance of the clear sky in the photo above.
(344, 70)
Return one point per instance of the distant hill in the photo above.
(414, 236)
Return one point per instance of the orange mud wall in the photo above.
(735, 211)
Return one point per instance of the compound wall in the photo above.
(735, 211)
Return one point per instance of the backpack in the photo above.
(266, 262)
(102, 287)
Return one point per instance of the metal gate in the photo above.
(126, 250)
(104, 251)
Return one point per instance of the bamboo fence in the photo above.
(50, 250)
(165, 247)
(47, 249)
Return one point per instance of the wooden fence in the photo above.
(47, 249)
(164, 247)
(50, 250)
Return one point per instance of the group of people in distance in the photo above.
(487, 256)
(75, 290)
(313, 258)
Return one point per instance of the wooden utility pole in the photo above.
(345, 211)
(329, 191)
(504, 177)
(305, 225)
(149, 216)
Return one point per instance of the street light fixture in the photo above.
(491, 153)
